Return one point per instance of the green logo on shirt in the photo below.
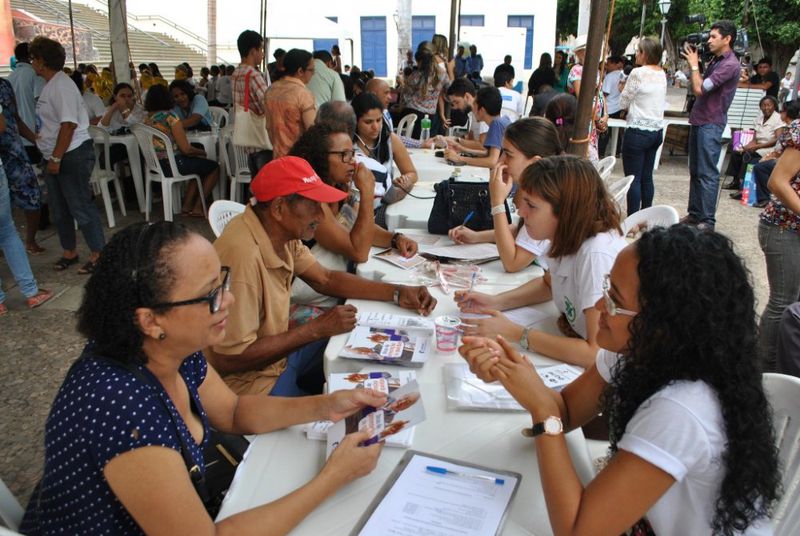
(570, 312)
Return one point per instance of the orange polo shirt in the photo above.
(286, 101)
(261, 282)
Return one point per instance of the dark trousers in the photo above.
(761, 173)
(638, 159)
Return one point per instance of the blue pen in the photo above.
(443, 471)
(469, 217)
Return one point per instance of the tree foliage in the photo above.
(778, 22)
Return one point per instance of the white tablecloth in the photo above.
(280, 462)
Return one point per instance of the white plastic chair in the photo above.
(219, 116)
(406, 126)
(221, 212)
(605, 167)
(619, 188)
(655, 216)
(153, 172)
(10, 510)
(783, 393)
(235, 161)
(103, 173)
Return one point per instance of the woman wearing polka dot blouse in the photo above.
(112, 450)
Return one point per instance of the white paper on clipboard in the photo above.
(416, 501)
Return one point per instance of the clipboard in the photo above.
(406, 461)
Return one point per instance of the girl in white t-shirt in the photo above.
(525, 141)
(692, 444)
(561, 199)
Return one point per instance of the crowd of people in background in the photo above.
(326, 163)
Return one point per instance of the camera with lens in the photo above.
(699, 40)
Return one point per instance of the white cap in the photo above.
(580, 43)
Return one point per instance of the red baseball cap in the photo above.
(292, 175)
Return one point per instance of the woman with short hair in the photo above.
(63, 138)
(190, 107)
(561, 199)
(142, 394)
(692, 444)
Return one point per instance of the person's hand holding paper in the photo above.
(344, 403)
(349, 461)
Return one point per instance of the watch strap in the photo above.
(499, 209)
(523, 339)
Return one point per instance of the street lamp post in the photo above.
(664, 6)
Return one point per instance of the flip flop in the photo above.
(63, 263)
(34, 249)
(87, 268)
(38, 299)
(3, 309)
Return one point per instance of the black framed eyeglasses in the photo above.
(346, 156)
(214, 298)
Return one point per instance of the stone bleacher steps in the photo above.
(145, 47)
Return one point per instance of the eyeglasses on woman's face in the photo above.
(611, 306)
(213, 298)
(346, 155)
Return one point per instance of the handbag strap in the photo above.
(195, 473)
(247, 92)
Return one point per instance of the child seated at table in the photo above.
(692, 443)
(526, 141)
(561, 199)
(488, 105)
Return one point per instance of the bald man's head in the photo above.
(380, 89)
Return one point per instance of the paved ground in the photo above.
(37, 347)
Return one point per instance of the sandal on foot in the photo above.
(39, 298)
(3, 309)
(87, 268)
(34, 249)
(63, 263)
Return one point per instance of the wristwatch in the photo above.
(523, 339)
(395, 236)
(550, 426)
(499, 209)
(55, 159)
(396, 296)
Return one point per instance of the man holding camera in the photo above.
(714, 92)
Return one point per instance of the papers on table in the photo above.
(389, 346)
(388, 320)
(435, 496)
(465, 391)
(464, 252)
(406, 263)
(525, 316)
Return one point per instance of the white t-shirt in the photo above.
(116, 121)
(60, 102)
(577, 280)
(524, 240)
(681, 431)
(513, 105)
(94, 105)
(786, 83)
(611, 90)
(477, 127)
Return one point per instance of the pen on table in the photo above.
(471, 286)
(443, 471)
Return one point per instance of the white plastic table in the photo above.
(616, 124)
(279, 462)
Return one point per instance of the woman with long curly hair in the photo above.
(347, 230)
(563, 200)
(424, 93)
(691, 437)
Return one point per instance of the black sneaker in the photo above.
(689, 220)
(736, 195)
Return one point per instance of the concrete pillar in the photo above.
(118, 24)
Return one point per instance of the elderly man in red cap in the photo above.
(263, 249)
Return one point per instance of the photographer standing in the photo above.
(714, 92)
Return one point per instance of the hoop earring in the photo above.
(162, 336)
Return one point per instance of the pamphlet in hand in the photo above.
(402, 411)
(355, 380)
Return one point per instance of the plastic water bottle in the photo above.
(425, 133)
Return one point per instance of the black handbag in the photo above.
(455, 200)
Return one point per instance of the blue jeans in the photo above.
(12, 246)
(304, 366)
(761, 173)
(638, 158)
(71, 198)
(704, 148)
(781, 251)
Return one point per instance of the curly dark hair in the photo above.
(133, 271)
(698, 323)
(313, 146)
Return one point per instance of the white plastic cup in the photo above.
(447, 333)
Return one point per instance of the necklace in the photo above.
(367, 147)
